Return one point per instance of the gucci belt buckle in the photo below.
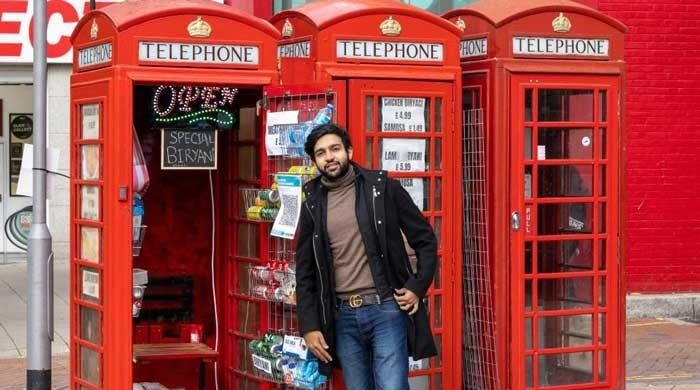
(355, 301)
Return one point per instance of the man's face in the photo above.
(330, 156)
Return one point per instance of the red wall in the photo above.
(662, 51)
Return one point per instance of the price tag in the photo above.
(262, 364)
(296, 346)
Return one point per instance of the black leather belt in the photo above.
(355, 301)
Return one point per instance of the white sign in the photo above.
(275, 144)
(414, 187)
(25, 183)
(91, 121)
(390, 51)
(403, 155)
(262, 364)
(175, 52)
(294, 50)
(473, 47)
(289, 187)
(403, 114)
(95, 55)
(551, 46)
(296, 346)
(91, 284)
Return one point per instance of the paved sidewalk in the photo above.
(662, 354)
(13, 310)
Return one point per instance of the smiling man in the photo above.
(358, 301)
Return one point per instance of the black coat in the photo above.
(384, 209)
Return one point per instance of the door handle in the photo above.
(515, 221)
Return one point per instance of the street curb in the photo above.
(663, 306)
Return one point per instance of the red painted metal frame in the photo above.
(112, 86)
(447, 286)
(611, 345)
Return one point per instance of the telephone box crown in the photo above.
(287, 29)
(199, 28)
(561, 23)
(390, 27)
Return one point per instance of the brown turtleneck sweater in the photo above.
(352, 271)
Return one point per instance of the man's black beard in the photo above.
(343, 171)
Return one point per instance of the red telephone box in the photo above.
(393, 70)
(167, 90)
(542, 132)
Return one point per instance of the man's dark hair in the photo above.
(321, 130)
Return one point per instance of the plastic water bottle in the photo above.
(324, 115)
(137, 212)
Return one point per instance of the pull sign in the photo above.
(515, 221)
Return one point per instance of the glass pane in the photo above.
(438, 154)
(565, 256)
(90, 114)
(564, 218)
(555, 181)
(404, 114)
(90, 162)
(90, 203)
(245, 284)
(528, 182)
(437, 312)
(438, 114)
(601, 328)
(247, 130)
(569, 105)
(528, 371)
(602, 366)
(438, 345)
(528, 105)
(90, 363)
(528, 295)
(603, 105)
(90, 284)
(566, 368)
(563, 294)
(564, 143)
(528, 143)
(601, 180)
(405, 154)
(437, 381)
(565, 331)
(528, 333)
(248, 165)
(90, 244)
(437, 281)
(418, 189)
(601, 291)
(467, 99)
(369, 152)
(528, 257)
(90, 329)
(602, 217)
(602, 253)
(369, 114)
(248, 240)
(603, 143)
(437, 228)
(249, 312)
(437, 196)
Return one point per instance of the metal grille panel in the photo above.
(479, 346)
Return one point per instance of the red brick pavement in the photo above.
(663, 351)
(658, 352)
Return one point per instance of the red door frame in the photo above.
(448, 328)
(614, 310)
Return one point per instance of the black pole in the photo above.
(92, 5)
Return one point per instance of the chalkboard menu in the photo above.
(188, 149)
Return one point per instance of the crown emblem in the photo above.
(460, 24)
(561, 23)
(93, 30)
(199, 28)
(287, 29)
(390, 27)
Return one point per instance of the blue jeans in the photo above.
(372, 347)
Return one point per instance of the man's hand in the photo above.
(407, 300)
(317, 344)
